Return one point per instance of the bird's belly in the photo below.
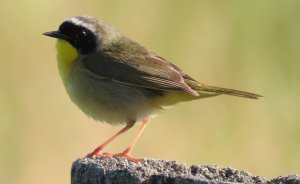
(110, 101)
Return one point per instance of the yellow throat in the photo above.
(66, 56)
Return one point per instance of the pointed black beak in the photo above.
(56, 34)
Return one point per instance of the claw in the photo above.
(109, 155)
(95, 153)
(127, 156)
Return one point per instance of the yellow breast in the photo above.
(66, 56)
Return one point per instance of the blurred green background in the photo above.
(249, 45)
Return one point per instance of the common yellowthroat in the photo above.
(116, 80)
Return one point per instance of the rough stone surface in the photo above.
(150, 171)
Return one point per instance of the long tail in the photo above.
(227, 91)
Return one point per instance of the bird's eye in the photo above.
(84, 33)
(85, 41)
(80, 37)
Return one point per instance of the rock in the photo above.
(149, 171)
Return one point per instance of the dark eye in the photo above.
(84, 33)
(83, 39)
(81, 35)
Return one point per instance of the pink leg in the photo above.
(98, 150)
(127, 151)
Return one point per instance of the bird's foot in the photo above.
(95, 153)
(125, 154)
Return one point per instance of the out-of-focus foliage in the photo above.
(249, 45)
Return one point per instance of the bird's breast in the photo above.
(108, 100)
(66, 57)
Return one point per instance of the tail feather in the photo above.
(227, 91)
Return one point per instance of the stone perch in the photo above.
(150, 171)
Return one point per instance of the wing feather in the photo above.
(141, 69)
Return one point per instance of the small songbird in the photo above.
(116, 80)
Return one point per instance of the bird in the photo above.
(116, 80)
